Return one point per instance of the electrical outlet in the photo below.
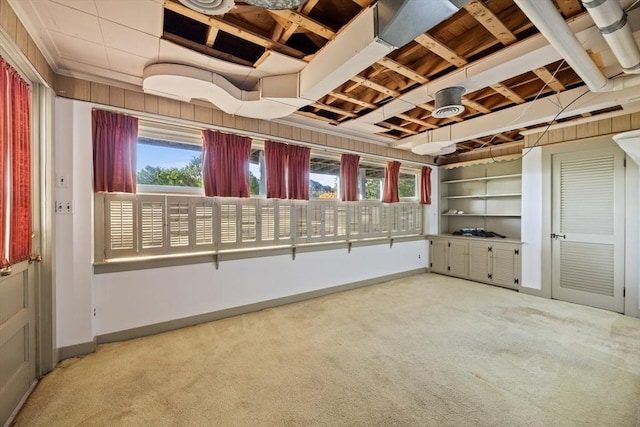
(62, 181)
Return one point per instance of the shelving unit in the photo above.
(489, 197)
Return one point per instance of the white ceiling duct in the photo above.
(275, 4)
(630, 143)
(616, 30)
(544, 15)
(209, 7)
(354, 49)
(435, 148)
(448, 102)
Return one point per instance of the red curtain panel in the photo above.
(15, 166)
(5, 105)
(425, 185)
(275, 155)
(391, 175)
(114, 152)
(349, 177)
(225, 164)
(20, 221)
(298, 169)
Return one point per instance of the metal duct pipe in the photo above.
(544, 15)
(616, 30)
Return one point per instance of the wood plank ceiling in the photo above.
(246, 34)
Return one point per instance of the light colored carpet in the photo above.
(426, 350)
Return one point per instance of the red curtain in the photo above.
(425, 185)
(114, 152)
(298, 165)
(15, 166)
(275, 156)
(225, 164)
(349, 177)
(20, 231)
(391, 175)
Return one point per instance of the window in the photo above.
(257, 182)
(324, 177)
(407, 184)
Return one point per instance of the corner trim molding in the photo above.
(236, 311)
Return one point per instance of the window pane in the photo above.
(407, 185)
(324, 175)
(372, 188)
(169, 163)
(256, 186)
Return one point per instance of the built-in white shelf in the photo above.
(483, 178)
(483, 214)
(483, 196)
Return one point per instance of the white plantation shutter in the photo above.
(354, 221)
(301, 228)
(315, 220)
(151, 224)
(268, 222)
(330, 221)
(120, 232)
(179, 222)
(147, 224)
(249, 230)
(204, 219)
(228, 224)
(342, 220)
(284, 222)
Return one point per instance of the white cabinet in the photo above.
(495, 262)
(448, 256)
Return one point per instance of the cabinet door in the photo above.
(479, 261)
(438, 255)
(458, 258)
(505, 265)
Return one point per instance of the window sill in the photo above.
(215, 257)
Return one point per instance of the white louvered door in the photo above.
(588, 228)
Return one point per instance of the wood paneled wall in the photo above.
(608, 126)
(83, 90)
(16, 32)
(484, 153)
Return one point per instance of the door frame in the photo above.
(43, 189)
(631, 211)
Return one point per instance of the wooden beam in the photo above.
(305, 22)
(212, 33)
(416, 120)
(316, 117)
(233, 29)
(198, 47)
(507, 93)
(345, 97)
(336, 110)
(396, 127)
(491, 22)
(403, 70)
(441, 50)
(475, 105)
(375, 86)
(569, 8)
(504, 138)
(549, 79)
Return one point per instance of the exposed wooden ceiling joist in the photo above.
(345, 97)
(375, 86)
(416, 120)
(233, 29)
(332, 109)
(401, 69)
(300, 20)
(569, 8)
(441, 50)
(507, 93)
(549, 79)
(491, 22)
(475, 105)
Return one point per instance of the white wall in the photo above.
(531, 221)
(137, 298)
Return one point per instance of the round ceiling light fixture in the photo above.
(209, 7)
(275, 4)
(448, 102)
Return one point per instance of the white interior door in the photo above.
(17, 337)
(588, 228)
